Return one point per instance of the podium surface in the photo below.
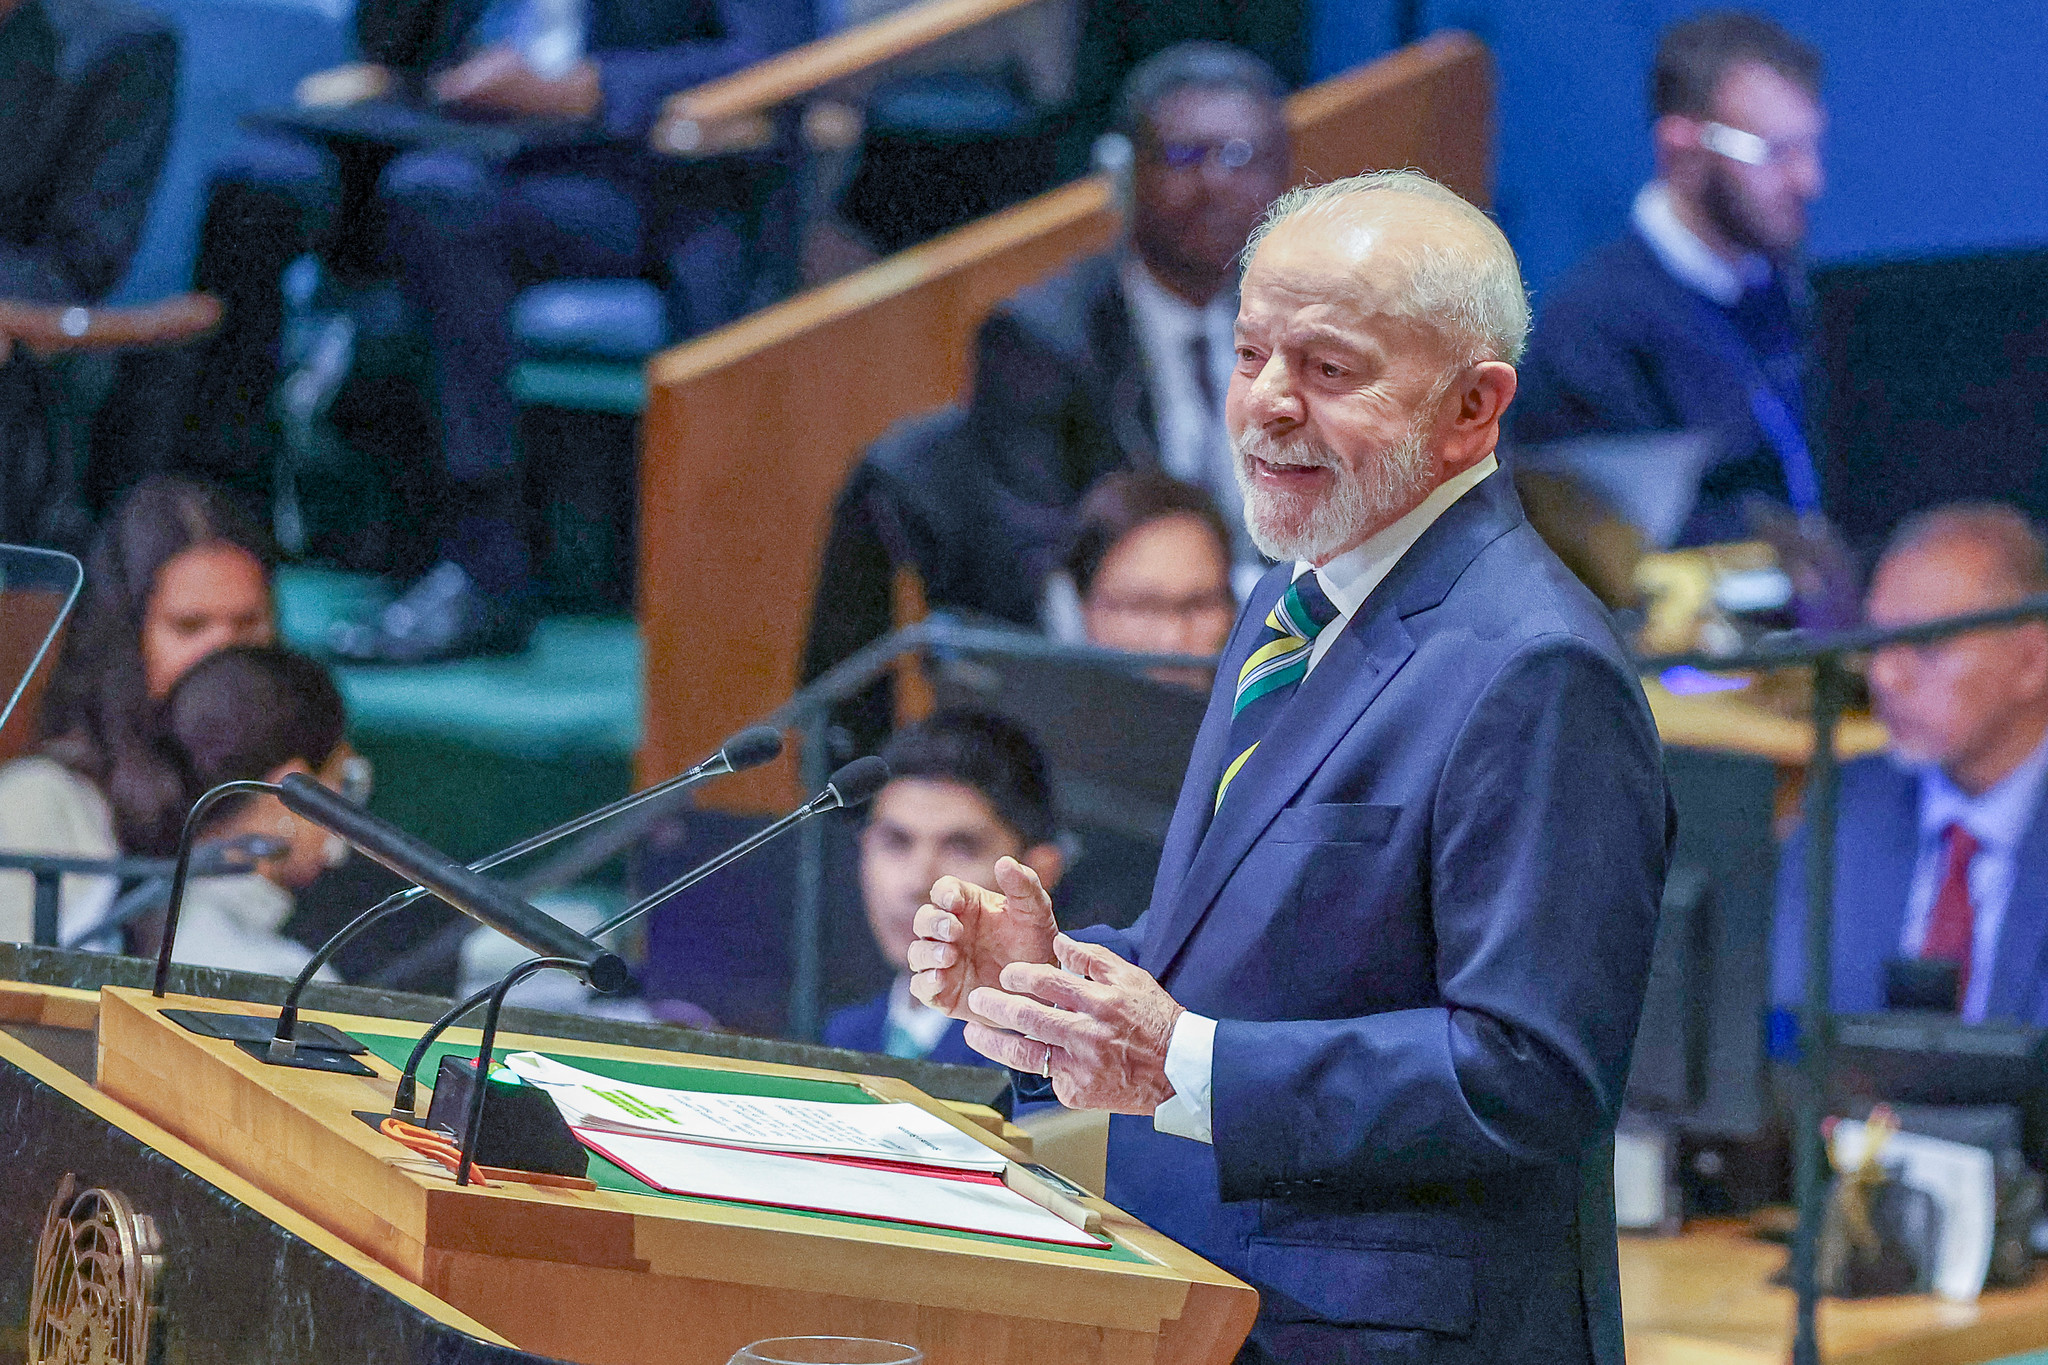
(623, 1275)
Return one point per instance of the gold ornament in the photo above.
(94, 1293)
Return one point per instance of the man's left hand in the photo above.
(1099, 1028)
(497, 81)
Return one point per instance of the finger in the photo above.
(961, 897)
(933, 922)
(1021, 1014)
(1017, 1053)
(1089, 960)
(1021, 885)
(925, 955)
(928, 987)
(1056, 987)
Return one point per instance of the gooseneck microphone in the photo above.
(482, 899)
(749, 748)
(851, 786)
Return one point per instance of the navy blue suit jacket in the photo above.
(1621, 347)
(865, 1027)
(1424, 918)
(1877, 840)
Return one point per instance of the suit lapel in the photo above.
(2023, 937)
(1212, 742)
(1367, 652)
(1133, 416)
(1873, 879)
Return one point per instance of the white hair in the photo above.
(1470, 288)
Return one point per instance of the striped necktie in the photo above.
(1275, 669)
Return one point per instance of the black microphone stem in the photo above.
(405, 1099)
(815, 805)
(483, 1056)
(288, 1015)
(194, 818)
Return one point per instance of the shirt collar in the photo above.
(1998, 818)
(1350, 578)
(924, 1024)
(1689, 260)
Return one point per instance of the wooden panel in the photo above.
(615, 1278)
(751, 431)
(806, 70)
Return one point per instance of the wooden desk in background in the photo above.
(1705, 1298)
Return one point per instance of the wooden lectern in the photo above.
(624, 1275)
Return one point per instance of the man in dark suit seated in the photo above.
(1123, 359)
(1366, 1046)
(465, 233)
(1941, 848)
(965, 789)
(1695, 319)
(85, 95)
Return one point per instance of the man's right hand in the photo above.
(968, 934)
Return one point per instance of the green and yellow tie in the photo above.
(1275, 668)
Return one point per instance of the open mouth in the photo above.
(1292, 478)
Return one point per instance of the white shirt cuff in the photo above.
(1190, 1055)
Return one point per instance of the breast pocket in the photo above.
(1334, 822)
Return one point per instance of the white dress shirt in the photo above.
(1685, 257)
(1997, 819)
(1194, 445)
(1348, 580)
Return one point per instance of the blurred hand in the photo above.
(497, 81)
(1099, 1028)
(968, 934)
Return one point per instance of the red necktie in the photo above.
(1950, 927)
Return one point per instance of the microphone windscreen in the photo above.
(859, 780)
(751, 748)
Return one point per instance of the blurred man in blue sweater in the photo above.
(1694, 319)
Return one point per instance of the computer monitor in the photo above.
(1699, 1057)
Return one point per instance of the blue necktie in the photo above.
(1275, 669)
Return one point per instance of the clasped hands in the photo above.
(1038, 1001)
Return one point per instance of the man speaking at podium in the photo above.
(1367, 1043)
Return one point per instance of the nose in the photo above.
(1803, 169)
(1270, 398)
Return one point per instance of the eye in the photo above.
(1330, 370)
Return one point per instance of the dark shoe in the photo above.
(443, 616)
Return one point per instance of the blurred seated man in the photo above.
(466, 233)
(1941, 851)
(966, 788)
(1122, 360)
(85, 95)
(1147, 570)
(1695, 319)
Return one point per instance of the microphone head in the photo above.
(751, 748)
(858, 781)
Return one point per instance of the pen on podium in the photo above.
(1027, 1181)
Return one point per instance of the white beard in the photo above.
(1288, 527)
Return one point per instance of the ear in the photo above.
(2032, 660)
(1473, 410)
(1675, 139)
(1047, 861)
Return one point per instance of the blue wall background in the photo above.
(1939, 116)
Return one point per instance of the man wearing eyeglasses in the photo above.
(1122, 361)
(1694, 319)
